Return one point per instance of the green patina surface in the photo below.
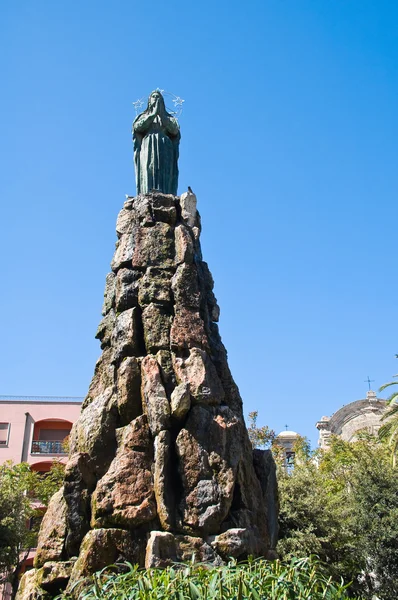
(156, 136)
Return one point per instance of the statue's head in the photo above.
(154, 97)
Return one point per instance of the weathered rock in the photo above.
(80, 480)
(100, 548)
(188, 330)
(188, 208)
(180, 401)
(248, 510)
(195, 548)
(126, 289)
(126, 336)
(232, 396)
(218, 478)
(185, 286)
(165, 362)
(155, 402)
(185, 466)
(143, 213)
(209, 453)
(196, 235)
(156, 321)
(124, 221)
(200, 373)
(125, 248)
(155, 287)
(265, 468)
(51, 542)
(163, 208)
(105, 328)
(154, 246)
(161, 550)
(94, 431)
(163, 480)
(29, 587)
(136, 436)
(195, 231)
(184, 249)
(54, 576)
(205, 276)
(104, 377)
(125, 497)
(238, 543)
(207, 284)
(109, 293)
(212, 306)
(129, 389)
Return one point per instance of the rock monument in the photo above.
(161, 468)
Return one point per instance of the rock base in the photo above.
(161, 467)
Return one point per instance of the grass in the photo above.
(255, 580)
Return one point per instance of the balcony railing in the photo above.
(53, 447)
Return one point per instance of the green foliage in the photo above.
(22, 495)
(389, 431)
(15, 511)
(299, 579)
(343, 505)
(46, 485)
(375, 502)
(260, 437)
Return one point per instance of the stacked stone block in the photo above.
(161, 468)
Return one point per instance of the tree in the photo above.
(260, 437)
(389, 431)
(342, 505)
(375, 502)
(315, 515)
(15, 510)
(18, 487)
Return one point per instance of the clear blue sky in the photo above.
(289, 139)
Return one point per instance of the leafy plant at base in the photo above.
(298, 579)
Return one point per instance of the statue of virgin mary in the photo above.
(156, 136)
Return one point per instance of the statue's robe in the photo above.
(156, 145)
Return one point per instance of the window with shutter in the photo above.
(53, 434)
(4, 433)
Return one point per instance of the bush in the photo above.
(342, 505)
(256, 580)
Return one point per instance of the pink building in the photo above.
(32, 428)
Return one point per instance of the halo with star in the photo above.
(177, 101)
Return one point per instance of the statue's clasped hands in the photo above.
(157, 110)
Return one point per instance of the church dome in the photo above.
(287, 434)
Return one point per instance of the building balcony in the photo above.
(48, 447)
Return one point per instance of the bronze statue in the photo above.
(156, 135)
